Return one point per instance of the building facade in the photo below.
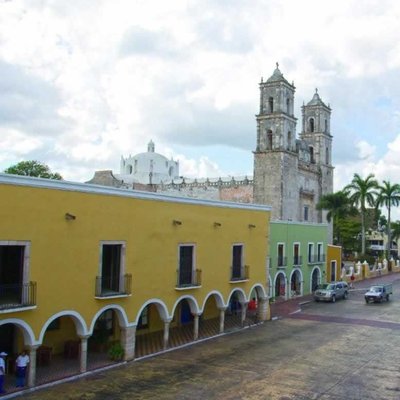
(90, 274)
(297, 258)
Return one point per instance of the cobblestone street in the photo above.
(324, 352)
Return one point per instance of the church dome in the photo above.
(149, 167)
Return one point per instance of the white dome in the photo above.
(149, 167)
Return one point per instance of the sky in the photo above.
(85, 82)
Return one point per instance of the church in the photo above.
(290, 173)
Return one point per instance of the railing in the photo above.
(188, 278)
(316, 258)
(107, 286)
(297, 260)
(17, 295)
(240, 273)
(282, 261)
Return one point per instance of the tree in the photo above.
(338, 206)
(33, 168)
(388, 196)
(362, 193)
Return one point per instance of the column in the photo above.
(243, 311)
(263, 309)
(83, 353)
(196, 326)
(166, 332)
(222, 319)
(128, 341)
(32, 365)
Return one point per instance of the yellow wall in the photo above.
(65, 253)
(334, 253)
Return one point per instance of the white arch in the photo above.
(161, 307)
(319, 277)
(270, 286)
(295, 271)
(29, 336)
(219, 299)
(257, 287)
(194, 307)
(121, 314)
(284, 279)
(80, 324)
(242, 295)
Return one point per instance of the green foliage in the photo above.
(33, 168)
(362, 193)
(116, 351)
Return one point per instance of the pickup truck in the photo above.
(377, 293)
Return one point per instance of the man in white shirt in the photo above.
(22, 362)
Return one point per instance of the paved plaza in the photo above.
(342, 351)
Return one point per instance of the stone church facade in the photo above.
(290, 174)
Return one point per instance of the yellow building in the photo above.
(333, 263)
(89, 272)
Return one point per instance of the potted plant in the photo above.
(116, 351)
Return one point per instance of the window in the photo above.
(186, 265)
(326, 125)
(327, 156)
(281, 255)
(288, 106)
(237, 262)
(135, 167)
(15, 288)
(289, 140)
(310, 252)
(320, 252)
(311, 149)
(271, 104)
(144, 319)
(269, 140)
(333, 271)
(296, 254)
(112, 267)
(311, 124)
(305, 217)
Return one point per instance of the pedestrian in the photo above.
(351, 281)
(3, 355)
(22, 362)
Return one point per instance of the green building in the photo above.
(297, 261)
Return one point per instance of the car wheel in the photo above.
(333, 299)
(367, 301)
(346, 295)
(317, 300)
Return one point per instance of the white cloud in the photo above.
(90, 81)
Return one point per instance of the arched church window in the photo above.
(271, 104)
(129, 169)
(326, 125)
(135, 167)
(312, 160)
(326, 156)
(289, 140)
(288, 106)
(311, 124)
(269, 140)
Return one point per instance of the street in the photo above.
(342, 351)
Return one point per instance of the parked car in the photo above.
(377, 293)
(331, 291)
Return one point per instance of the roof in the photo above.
(277, 76)
(316, 100)
(41, 183)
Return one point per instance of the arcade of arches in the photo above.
(67, 346)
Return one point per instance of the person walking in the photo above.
(22, 362)
(3, 355)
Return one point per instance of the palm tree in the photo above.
(389, 195)
(362, 193)
(338, 206)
